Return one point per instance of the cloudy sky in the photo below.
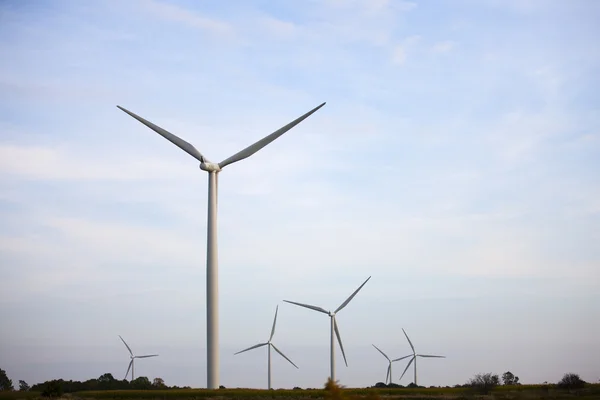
(457, 162)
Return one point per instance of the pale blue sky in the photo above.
(456, 162)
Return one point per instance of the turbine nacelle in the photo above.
(210, 167)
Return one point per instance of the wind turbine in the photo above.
(414, 357)
(388, 376)
(133, 358)
(270, 344)
(334, 327)
(212, 282)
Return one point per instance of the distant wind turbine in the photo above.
(334, 327)
(388, 376)
(414, 357)
(212, 269)
(270, 344)
(133, 358)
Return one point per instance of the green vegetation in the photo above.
(484, 383)
(529, 392)
(481, 386)
(5, 383)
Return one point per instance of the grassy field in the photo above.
(525, 392)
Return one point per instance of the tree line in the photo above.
(104, 382)
(483, 383)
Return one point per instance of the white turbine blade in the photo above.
(150, 355)
(337, 333)
(248, 151)
(126, 345)
(409, 342)
(427, 355)
(128, 368)
(402, 358)
(345, 303)
(378, 349)
(388, 376)
(250, 348)
(283, 355)
(177, 141)
(319, 309)
(274, 322)
(407, 365)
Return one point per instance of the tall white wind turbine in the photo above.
(334, 327)
(414, 357)
(133, 358)
(270, 344)
(388, 376)
(212, 285)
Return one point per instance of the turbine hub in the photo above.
(210, 167)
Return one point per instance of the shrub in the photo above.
(5, 383)
(484, 383)
(509, 379)
(23, 386)
(335, 391)
(571, 381)
(52, 389)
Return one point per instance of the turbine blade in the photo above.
(274, 322)
(128, 368)
(407, 365)
(345, 303)
(378, 349)
(126, 345)
(319, 309)
(409, 342)
(402, 358)
(388, 376)
(250, 348)
(177, 141)
(337, 333)
(427, 355)
(248, 151)
(150, 355)
(283, 355)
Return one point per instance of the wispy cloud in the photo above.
(177, 14)
(401, 51)
(443, 47)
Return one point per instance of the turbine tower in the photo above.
(388, 376)
(133, 358)
(334, 327)
(414, 357)
(212, 284)
(270, 344)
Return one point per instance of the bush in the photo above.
(23, 386)
(510, 379)
(484, 383)
(5, 383)
(52, 389)
(335, 391)
(571, 381)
